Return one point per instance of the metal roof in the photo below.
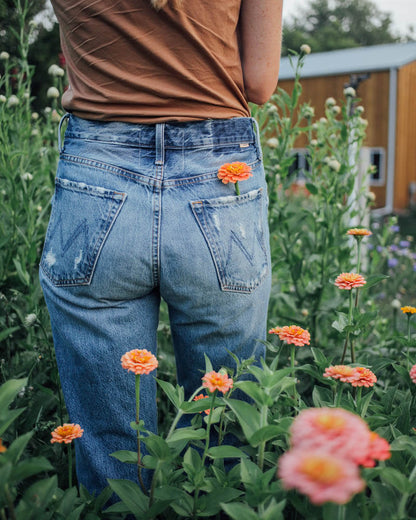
(351, 61)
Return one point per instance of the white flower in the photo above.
(35, 116)
(35, 132)
(364, 122)
(349, 92)
(305, 49)
(47, 110)
(27, 176)
(330, 102)
(39, 208)
(272, 109)
(13, 101)
(314, 142)
(56, 71)
(308, 112)
(4, 56)
(273, 142)
(30, 320)
(26, 95)
(323, 120)
(371, 196)
(359, 109)
(52, 92)
(335, 110)
(334, 164)
(396, 304)
(3, 99)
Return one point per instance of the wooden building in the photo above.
(386, 77)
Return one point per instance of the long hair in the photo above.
(158, 4)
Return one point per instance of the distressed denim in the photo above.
(139, 214)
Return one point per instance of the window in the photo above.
(378, 160)
(300, 165)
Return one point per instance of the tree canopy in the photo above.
(339, 24)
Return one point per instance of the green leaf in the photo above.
(157, 447)
(4, 334)
(321, 397)
(274, 510)
(396, 479)
(211, 503)
(131, 495)
(187, 434)
(30, 467)
(9, 391)
(311, 188)
(199, 406)
(253, 390)
(40, 494)
(265, 434)
(239, 511)
(374, 279)
(175, 394)
(223, 452)
(128, 457)
(17, 447)
(8, 417)
(247, 415)
(341, 322)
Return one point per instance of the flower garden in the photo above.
(328, 427)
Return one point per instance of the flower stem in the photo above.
(237, 188)
(263, 422)
(139, 457)
(292, 366)
(69, 465)
(341, 512)
(402, 504)
(180, 413)
(408, 339)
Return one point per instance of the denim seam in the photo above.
(137, 177)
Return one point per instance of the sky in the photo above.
(403, 11)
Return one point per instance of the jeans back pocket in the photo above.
(234, 231)
(81, 219)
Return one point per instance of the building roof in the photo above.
(352, 61)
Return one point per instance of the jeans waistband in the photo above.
(194, 134)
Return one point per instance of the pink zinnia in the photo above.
(356, 376)
(333, 429)
(293, 335)
(139, 361)
(363, 377)
(412, 374)
(217, 381)
(342, 372)
(349, 281)
(379, 449)
(320, 475)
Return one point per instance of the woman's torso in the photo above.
(129, 62)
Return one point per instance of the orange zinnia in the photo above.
(349, 281)
(292, 334)
(363, 377)
(139, 361)
(202, 396)
(356, 376)
(359, 232)
(2, 447)
(217, 381)
(408, 310)
(66, 433)
(234, 172)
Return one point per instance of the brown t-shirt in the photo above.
(128, 62)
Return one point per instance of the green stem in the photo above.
(358, 399)
(69, 465)
(403, 501)
(408, 340)
(153, 486)
(139, 456)
(341, 512)
(263, 422)
(181, 412)
(338, 394)
(10, 505)
(358, 254)
(237, 188)
(348, 332)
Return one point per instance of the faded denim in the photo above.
(139, 214)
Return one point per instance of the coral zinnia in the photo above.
(202, 396)
(66, 433)
(320, 475)
(139, 361)
(363, 377)
(379, 449)
(412, 374)
(349, 281)
(407, 309)
(334, 429)
(217, 381)
(234, 172)
(292, 334)
(356, 376)
(2, 447)
(359, 232)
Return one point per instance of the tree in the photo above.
(338, 24)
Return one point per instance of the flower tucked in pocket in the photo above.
(234, 172)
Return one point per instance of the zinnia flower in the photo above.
(349, 281)
(202, 396)
(335, 430)
(2, 447)
(363, 377)
(293, 335)
(139, 361)
(407, 309)
(412, 374)
(379, 449)
(359, 232)
(234, 172)
(320, 475)
(342, 372)
(66, 433)
(217, 381)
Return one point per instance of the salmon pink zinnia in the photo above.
(359, 232)
(412, 374)
(292, 334)
(66, 433)
(234, 172)
(379, 449)
(139, 361)
(349, 281)
(356, 376)
(336, 430)
(320, 475)
(342, 372)
(217, 381)
(363, 377)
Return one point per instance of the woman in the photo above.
(158, 102)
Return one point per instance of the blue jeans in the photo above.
(139, 214)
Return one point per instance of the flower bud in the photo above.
(13, 101)
(52, 92)
(273, 142)
(56, 71)
(330, 102)
(4, 56)
(350, 92)
(305, 49)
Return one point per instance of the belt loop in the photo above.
(160, 143)
(257, 138)
(65, 116)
